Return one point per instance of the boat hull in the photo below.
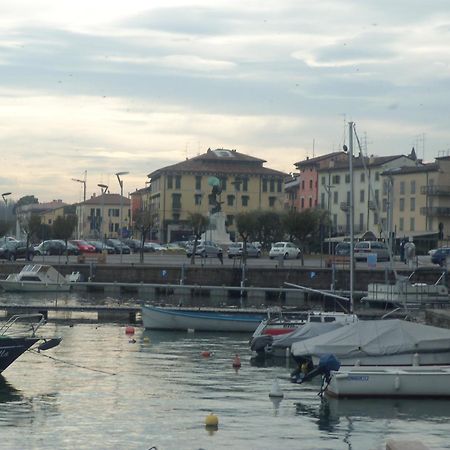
(12, 348)
(157, 318)
(391, 382)
(31, 286)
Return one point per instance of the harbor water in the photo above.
(104, 389)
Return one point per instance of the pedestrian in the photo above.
(220, 256)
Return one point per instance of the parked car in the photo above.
(118, 246)
(153, 247)
(341, 255)
(134, 244)
(236, 249)
(56, 247)
(285, 250)
(204, 249)
(13, 250)
(83, 246)
(364, 248)
(440, 256)
(100, 246)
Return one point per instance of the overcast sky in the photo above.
(108, 86)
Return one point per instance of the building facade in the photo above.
(186, 187)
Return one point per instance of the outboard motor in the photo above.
(327, 363)
(259, 343)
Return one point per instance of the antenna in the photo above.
(314, 142)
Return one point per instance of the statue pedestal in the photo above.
(217, 231)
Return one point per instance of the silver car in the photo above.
(364, 248)
(204, 249)
(237, 248)
(284, 250)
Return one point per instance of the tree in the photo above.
(26, 200)
(199, 224)
(269, 228)
(246, 225)
(31, 227)
(144, 221)
(63, 228)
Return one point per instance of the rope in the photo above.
(71, 364)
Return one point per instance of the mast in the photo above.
(352, 237)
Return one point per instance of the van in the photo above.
(364, 248)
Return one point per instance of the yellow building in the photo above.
(185, 187)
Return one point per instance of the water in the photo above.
(158, 390)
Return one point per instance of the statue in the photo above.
(215, 192)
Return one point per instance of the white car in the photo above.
(284, 250)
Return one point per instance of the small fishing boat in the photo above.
(39, 278)
(201, 319)
(415, 381)
(18, 335)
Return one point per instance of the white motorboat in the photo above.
(432, 381)
(408, 292)
(392, 342)
(39, 278)
(201, 319)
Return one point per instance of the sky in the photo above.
(100, 87)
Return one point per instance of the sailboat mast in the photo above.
(351, 218)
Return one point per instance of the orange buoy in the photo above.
(236, 361)
(206, 353)
(129, 330)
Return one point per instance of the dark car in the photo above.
(13, 250)
(56, 247)
(134, 244)
(100, 246)
(440, 256)
(118, 246)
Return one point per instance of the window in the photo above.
(302, 203)
(279, 186)
(264, 185)
(245, 200)
(402, 204)
(412, 224)
(310, 184)
(237, 184)
(176, 201)
(322, 200)
(322, 181)
(335, 197)
(310, 202)
(303, 185)
(377, 196)
(401, 224)
(336, 179)
(245, 184)
(272, 201)
(377, 176)
(413, 204)
(272, 186)
(230, 200)
(361, 221)
(113, 212)
(384, 204)
(198, 182)
(375, 218)
(413, 187)
(385, 187)
(347, 178)
(230, 220)
(223, 183)
(198, 199)
(361, 195)
(362, 177)
(176, 217)
(402, 188)
(178, 182)
(169, 182)
(348, 198)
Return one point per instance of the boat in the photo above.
(415, 381)
(39, 278)
(408, 292)
(279, 322)
(18, 335)
(201, 319)
(269, 345)
(389, 342)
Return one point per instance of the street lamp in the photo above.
(103, 188)
(118, 175)
(81, 220)
(4, 195)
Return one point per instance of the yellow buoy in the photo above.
(146, 339)
(212, 420)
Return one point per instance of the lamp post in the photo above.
(4, 195)
(118, 175)
(103, 188)
(81, 220)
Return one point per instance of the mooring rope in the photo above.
(72, 364)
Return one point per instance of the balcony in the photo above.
(435, 211)
(435, 190)
(372, 205)
(345, 206)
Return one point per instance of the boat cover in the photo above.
(306, 331)
(376, 337)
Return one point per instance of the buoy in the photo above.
(132, 341)
(206, 353)
(129, 330)
(236, 361)
(211, 420)
(146, 339)
(276, 390)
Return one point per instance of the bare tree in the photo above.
(145, 220)
(199, 224)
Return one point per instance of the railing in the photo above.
(435, 211)
(435, 190)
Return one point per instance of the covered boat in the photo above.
(201, 319)
(39, 278)
(379, 342)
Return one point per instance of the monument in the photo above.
(216, 231)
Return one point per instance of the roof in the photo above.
(220, 161)
(107, 199)
(430, 167)
(370, 161)
(310, 161)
